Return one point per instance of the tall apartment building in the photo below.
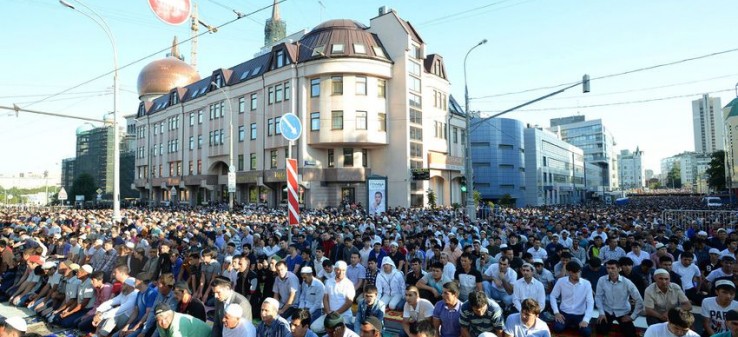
(708, 124)
(730, 116)
(373, 105)
(598, 145)
(692, 167)
(631, 169)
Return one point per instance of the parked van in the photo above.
(712, 201)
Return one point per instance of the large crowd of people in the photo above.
(343, 272)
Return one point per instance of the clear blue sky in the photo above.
(48, 48)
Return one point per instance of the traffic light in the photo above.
(463, 184)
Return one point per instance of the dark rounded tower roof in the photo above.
(341, 38)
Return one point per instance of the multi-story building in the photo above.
(598, 145)
(730, 116)
(94, 156)
(373, 105)
(708, 124)
(554, 169)
(692, 167)
(498, 159)
(631, 169)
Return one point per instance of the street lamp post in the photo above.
(116, 132)
(231, 168)
(471, 210)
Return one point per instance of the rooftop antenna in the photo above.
(322, 7)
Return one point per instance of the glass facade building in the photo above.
(498, 159)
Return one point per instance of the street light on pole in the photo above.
(471, 210)
(231, 168)
(116, 132)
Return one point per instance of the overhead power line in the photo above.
(619, 103)
(628, 72)
(238, 17)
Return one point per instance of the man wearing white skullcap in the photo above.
(234, 325)
(661, 296)
(311, 294)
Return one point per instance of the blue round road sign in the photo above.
(290, 126)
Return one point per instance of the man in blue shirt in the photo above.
(300, 324)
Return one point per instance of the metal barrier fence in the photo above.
(707, 220)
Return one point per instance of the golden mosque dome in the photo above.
(159, 77)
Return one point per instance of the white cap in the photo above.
(394, 244)
(484, 250)
(228, 259)
(98, 242)
(48, 265)
(660, 271)
(714, 251)
(702, 233)
(537, 261)
(130, 245)
(130, 281)
(660, 245)
(17, 323)
(728, 283)
(57, 236)
(87, 268)
(306, 270)
(234, 310)
(340, 265)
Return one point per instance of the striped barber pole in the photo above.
(293, 206)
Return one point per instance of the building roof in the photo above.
(731, 108)
(340, 38)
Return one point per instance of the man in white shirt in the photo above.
(113, 313)
(338, 297)
(690, 275)
(527, 323)
(714, 309)
(528, 287)
(678, 325)
(577, 302)
(536, 251)
(636, 254)
(416, 309)
(614, 294)
(311, 294)
(499, 278)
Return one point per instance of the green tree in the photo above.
(431, 198)
(477, 198)
(716, 171)
(506, 200)
(674, 177)
(85, 185)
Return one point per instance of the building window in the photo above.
(331, 159)
(254, 101)
(241, 133)
(337, 49)
(273, 158)
(359, 48)
(416, 150)
(287, 92)
(337, 85)
(361, 85)
(455, 135)
(416, 133)
(364, 157)
(414, 68)
(361, 120)
(276, 125)
(381, 88)
(199, 116)
(199, 166)
(270, 127)
(253, 131)
(191, 168)
(315, 87)
(314, 121)
(348, 157)
(280, 59)
(192, 142)
(241, 105)
(271, 96)
(252, 162)
(382, 119)
(337, 120)
(192, 118)
(240, 162)
(278, 93)
(199, 141)
(416, 116)
(414, 83)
